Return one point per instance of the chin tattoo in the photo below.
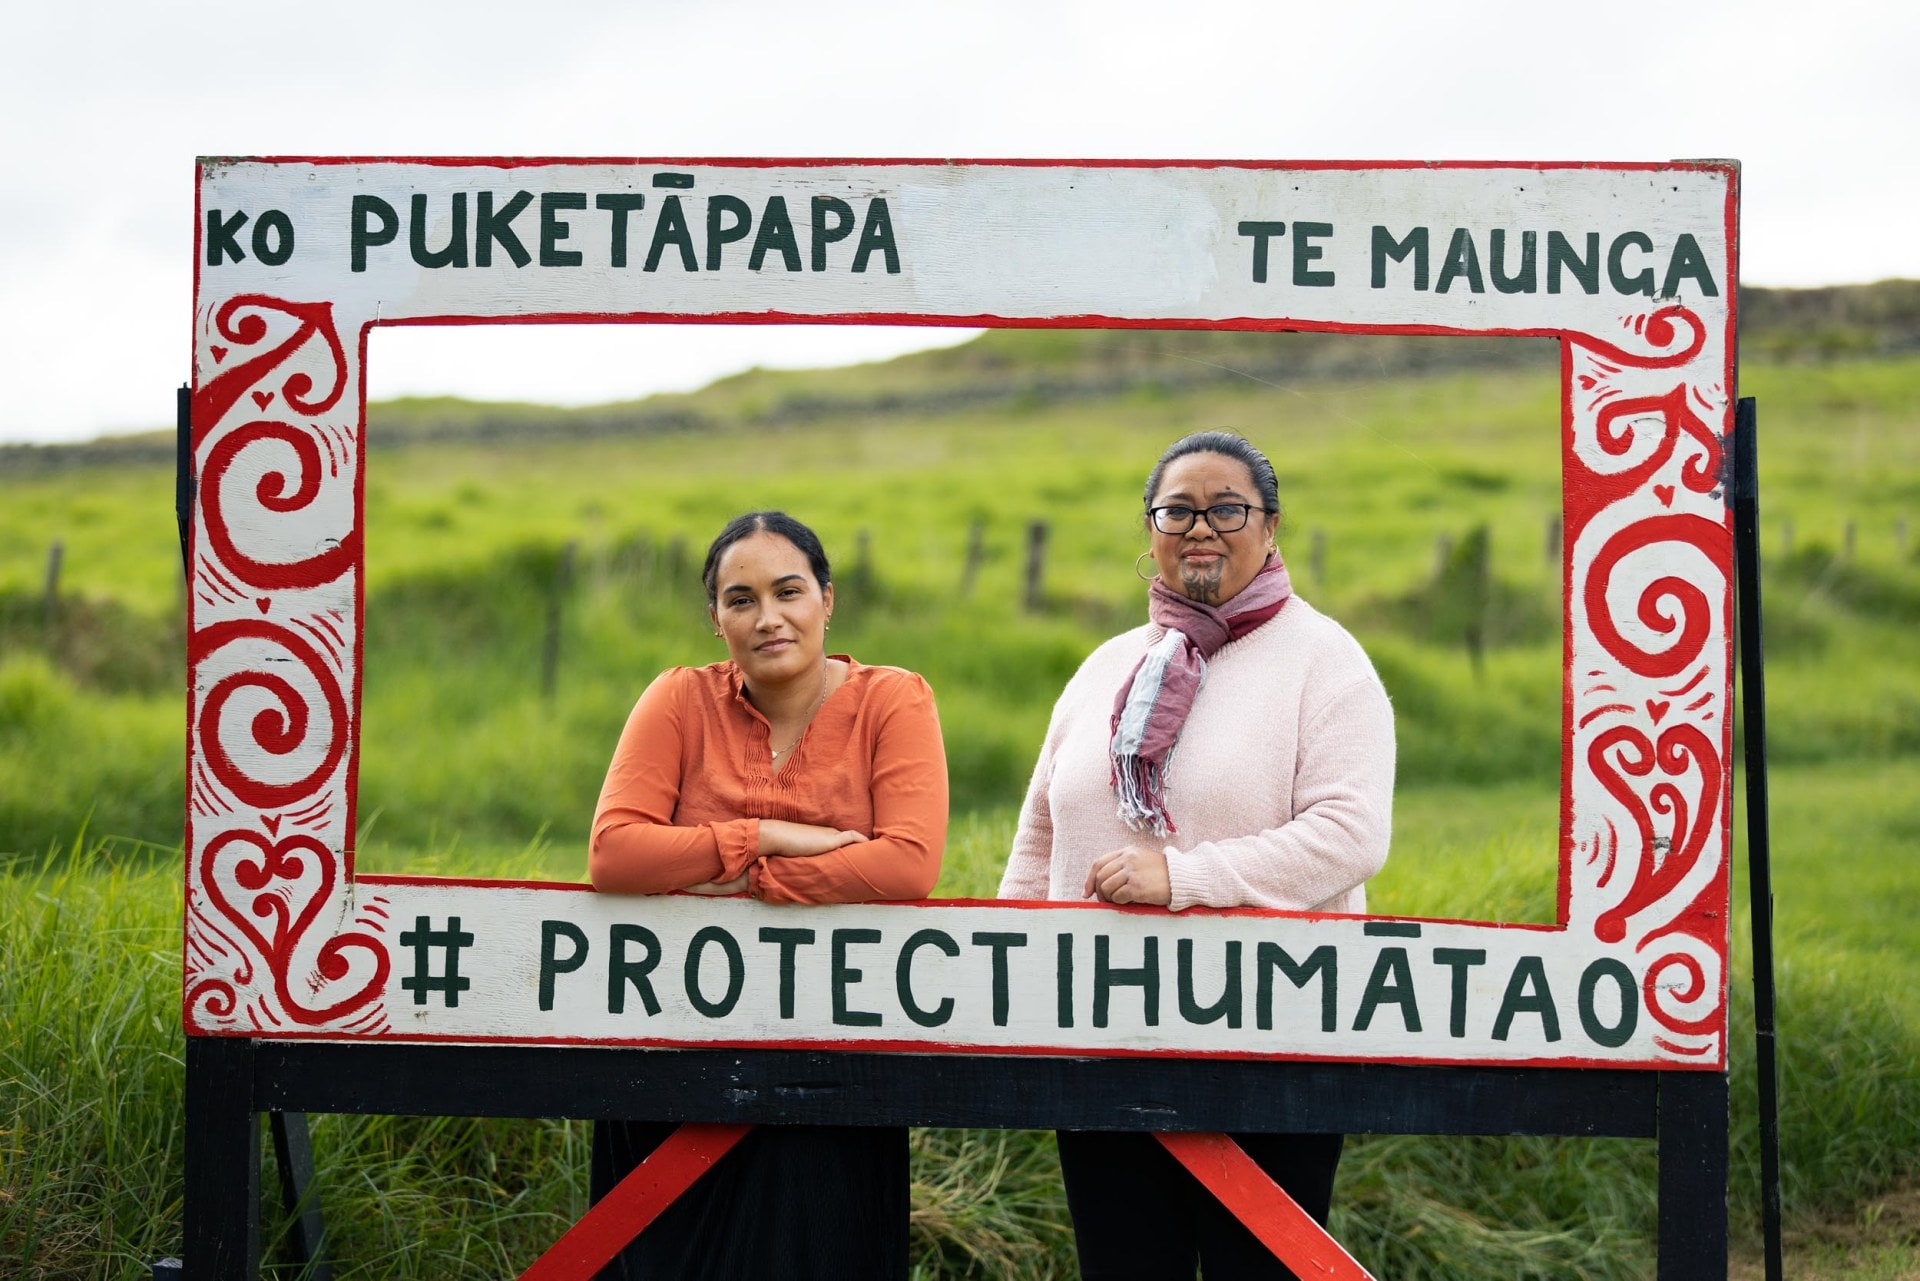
(1202, 585)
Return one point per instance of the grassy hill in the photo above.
(468, 765)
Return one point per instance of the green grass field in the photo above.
(466, 767)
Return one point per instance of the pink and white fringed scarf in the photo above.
(1152, 706)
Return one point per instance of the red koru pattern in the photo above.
(268, 941)
(1661, 761)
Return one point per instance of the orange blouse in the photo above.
(692, 778)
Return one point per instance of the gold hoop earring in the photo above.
(1145, 578)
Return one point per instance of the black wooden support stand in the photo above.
(231, 1080)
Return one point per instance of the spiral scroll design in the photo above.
(274, 494)
(275, 731)
(1661, 329)
(241, 319)
(1669, 605)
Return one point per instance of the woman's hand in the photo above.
(1135, 874)
(781, 839)
(738, 885)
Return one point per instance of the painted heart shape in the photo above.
(1665, 494)
(1677, 781)
(263, 398)
(285, 885)
(272, 823)
(219, 353)
(1656, 708)
(263, 603)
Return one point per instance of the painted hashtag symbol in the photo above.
(425, 941)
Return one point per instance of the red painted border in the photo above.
(1730, 170)
(981, 162)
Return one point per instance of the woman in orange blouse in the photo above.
(794, 776)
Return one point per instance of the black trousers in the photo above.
(788, 1201)
(1139, 1216)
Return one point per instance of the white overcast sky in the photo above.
(104, 106)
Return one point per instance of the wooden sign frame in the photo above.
(1633, 267)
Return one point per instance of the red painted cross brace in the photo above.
(690, 1151)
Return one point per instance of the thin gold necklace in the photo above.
(807, 724)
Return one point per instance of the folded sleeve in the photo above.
(635, 848)
(909, 789)
(1341, 825)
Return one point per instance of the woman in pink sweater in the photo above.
(1237, 751)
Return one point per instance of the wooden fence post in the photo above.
(1900, 536)
(1036, 565)
(1553, 540)
(863, 563)
(1317, 557)
(51, 604)
(976, 555)
(550, 649)
(1848, 539)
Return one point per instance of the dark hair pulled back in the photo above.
(769, 522)
(1228, 445)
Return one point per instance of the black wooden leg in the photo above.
(1693, 1176)
(222, 1193)
(293, 1156)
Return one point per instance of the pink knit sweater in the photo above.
(1281, 786)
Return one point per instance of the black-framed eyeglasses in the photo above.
(1222, 518)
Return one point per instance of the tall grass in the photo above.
(466, 768)
(91, 1082)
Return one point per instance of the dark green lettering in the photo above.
(824, 233)
(619, 204)
(551, 963)
(1687, 262)
(621, 971)
(1305, 253)
(1640, 282)
(1000, 943)
(281, 248)
(1622, 1032)
(736, 969)
(776, 232)
(1585, 270)
(877, 233)
(671, 229)
(1390, 983)
(720, 233)
(903, 977)
(1385, 247)
(1530, 973)
(1063, 981)
(1462, 260)
(223, 238)
(845, 976)
(455, 254)
(1461, 959)
(1261, 232)
(1145, 976)
(554, 229)
(789, 941)
(1525, 280)
(490, 227)
(1228, 1006)
(1323, 960)
(373, 222)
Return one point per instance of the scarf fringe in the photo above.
(1139, 786)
